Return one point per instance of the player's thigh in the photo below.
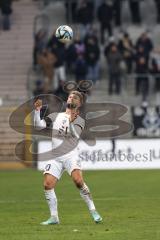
(52, 173)
(49, 181)
(76, 174)
(72, 164)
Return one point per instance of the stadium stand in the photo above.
(17, 74)
(128, 87)
(16, 54)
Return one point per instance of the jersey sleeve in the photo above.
(77, 127)
(79, 122)
(38, 122)
(52, 116)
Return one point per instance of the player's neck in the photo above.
(68, 111)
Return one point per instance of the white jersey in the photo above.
(69, 140)
(65, 146)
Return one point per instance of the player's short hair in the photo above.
(80, 95)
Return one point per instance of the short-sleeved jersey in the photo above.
(60, 122)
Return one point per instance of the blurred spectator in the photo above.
(145, 41)
(155, 68)
(92, 32)
(126, 48)
(40, 43)
(114, 61)
(105, 16)
(79, 46)
(73, 51)
(80, 68)
(39, 88)
(142, 70)
(71, 56)
(71, 11)
(60, 91)
(92, 56)
(85, 15)
(6, 9)
(58, 49)
(135, 11)
(157, 2)
(108, 46)
(47, 61)
(117, 12)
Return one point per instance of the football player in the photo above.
(69, 126)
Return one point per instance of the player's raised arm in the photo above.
(38, 122)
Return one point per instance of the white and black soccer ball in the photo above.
(64, 34)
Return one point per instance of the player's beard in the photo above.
(71, 106)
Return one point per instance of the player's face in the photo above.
(73, 98)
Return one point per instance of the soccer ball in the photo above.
(64, 33)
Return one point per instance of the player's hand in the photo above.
(73, 114)
(38, 105)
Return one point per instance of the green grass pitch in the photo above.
(129, 202)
